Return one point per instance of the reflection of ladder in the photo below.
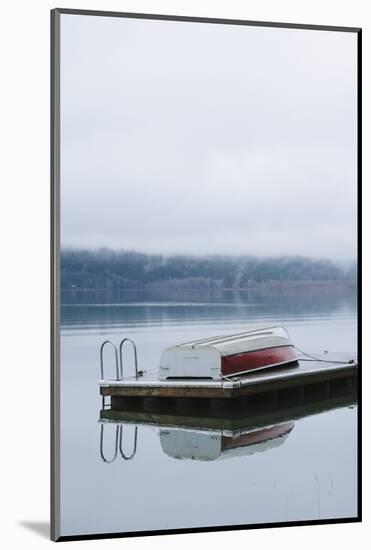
(118, 444)
(119, 364)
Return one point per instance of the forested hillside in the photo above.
(108, 269)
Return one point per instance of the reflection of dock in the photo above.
(260, 412)
(207, 434)
(300, 376)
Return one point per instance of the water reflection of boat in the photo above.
(210, 435)
(212, 445)
(219, 356)
(257, 440)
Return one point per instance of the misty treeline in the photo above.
(108, 269)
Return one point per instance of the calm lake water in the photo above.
(308, 472)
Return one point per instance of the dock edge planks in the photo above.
(302, 374)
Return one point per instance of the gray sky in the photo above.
(198, 138)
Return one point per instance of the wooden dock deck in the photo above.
(301, 374)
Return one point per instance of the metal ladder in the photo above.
(119, 363)
(118, 445)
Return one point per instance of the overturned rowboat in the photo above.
(222, 356)
(224, 367)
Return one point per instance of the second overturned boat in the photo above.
(220, 356)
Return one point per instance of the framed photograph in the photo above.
(206, 347)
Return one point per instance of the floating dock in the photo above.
(300, 375)
(208, 433)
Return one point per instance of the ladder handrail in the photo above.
(116, 359)
(101, 445)
(134, 446)
(118, 444)
(135, 356)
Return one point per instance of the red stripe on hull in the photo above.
(258, 436)
(262, 358)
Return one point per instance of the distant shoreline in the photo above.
(274, 285)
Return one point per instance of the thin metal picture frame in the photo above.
(55, 125)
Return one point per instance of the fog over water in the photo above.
(201, 139)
